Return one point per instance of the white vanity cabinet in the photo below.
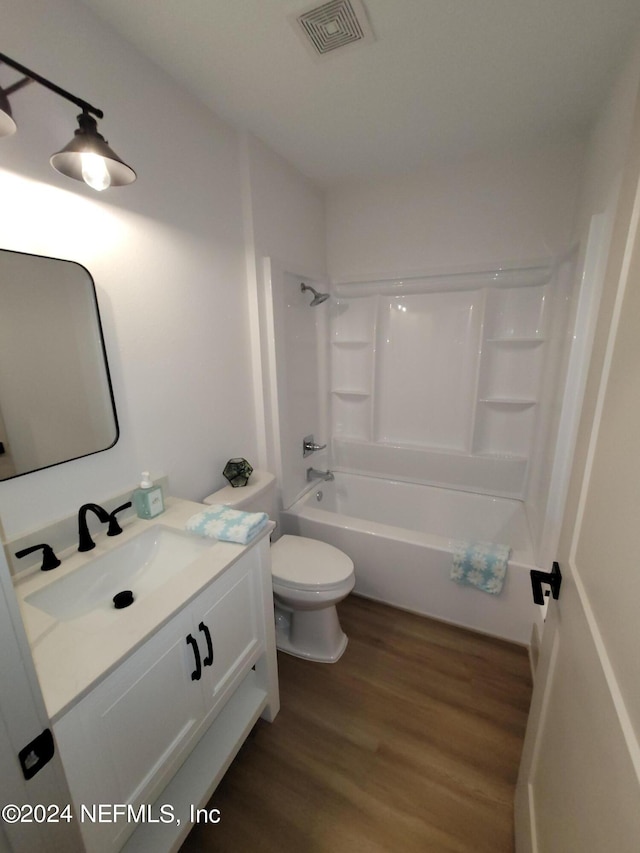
(162, 728)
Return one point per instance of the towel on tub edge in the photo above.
(480, 564)
(230, 525)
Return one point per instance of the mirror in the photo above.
(56, 400)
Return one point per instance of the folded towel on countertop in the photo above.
(480, 564)
(231, 525)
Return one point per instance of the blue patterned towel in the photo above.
(232, 525)
(481, 564)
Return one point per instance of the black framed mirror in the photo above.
(56, 398)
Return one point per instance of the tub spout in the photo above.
(313, 474)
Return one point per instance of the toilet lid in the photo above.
(301, 562)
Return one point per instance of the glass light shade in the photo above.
(7, 124)
(88, 158)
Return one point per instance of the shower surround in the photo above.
(449, 384)
(449, 379)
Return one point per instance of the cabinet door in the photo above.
(227, 614)
(123, 742)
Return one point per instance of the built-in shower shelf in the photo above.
(350, 392)
(508, 401)
(523, 342)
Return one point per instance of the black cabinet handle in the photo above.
(197, 673)
(207, 635)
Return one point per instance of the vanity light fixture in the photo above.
(7, 124)
(87, 157)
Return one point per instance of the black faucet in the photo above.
(114, 527)
(85, 542)
(49, 559)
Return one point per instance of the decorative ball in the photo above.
(237, 472)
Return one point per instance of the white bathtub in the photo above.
(399, 536)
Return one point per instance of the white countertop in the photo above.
(72, 656)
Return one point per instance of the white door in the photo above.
(579, 784)
(33, 816)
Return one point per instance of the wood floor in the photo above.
(411, 742)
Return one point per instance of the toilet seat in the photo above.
(301, 563)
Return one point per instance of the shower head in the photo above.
(318, 298)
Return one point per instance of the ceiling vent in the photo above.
(332, 26)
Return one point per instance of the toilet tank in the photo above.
(259, 495)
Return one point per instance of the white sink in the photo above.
(141, 565)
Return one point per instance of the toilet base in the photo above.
(314, 635)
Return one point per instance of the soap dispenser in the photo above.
(147, 498)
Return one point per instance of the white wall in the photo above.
(612, 168)
(601, 204)
(284, 222)
(607, 150)
(475, 212)
(167, 254)
(286, 208)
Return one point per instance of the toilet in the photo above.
(309, 578)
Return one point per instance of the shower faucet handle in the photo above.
(309, 446)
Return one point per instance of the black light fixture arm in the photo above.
(37, 78)
(87, 157)
(15, 87)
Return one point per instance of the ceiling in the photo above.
(444, 78)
